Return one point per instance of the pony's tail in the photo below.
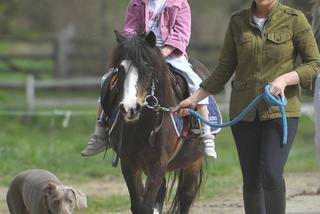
(176, 203)
(316, 21)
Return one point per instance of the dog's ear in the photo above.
(81, 199)
(50, 186)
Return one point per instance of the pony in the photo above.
(143, 135)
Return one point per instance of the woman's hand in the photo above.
(190, 102)
(278, 85)
(181, 108)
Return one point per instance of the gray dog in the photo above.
(38, 191)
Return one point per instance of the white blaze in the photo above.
(130, 86)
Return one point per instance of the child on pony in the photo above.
(170, 20)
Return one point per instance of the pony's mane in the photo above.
(144, 57)
(316, 20)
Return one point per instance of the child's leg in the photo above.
(193, 80)
(207, 137)
(98, 140)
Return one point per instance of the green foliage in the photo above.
(110, 204)
(7, 10)
(302, 156)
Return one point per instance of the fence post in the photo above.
(30, 93)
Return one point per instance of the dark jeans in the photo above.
(261, 153)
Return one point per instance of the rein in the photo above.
(268, 98)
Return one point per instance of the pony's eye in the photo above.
(121, 69)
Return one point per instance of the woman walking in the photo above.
(261, 46)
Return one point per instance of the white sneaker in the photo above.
(96, 144)
(209, 146)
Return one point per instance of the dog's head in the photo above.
(60, 199)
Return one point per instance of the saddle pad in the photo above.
(214, 117)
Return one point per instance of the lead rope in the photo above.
(152, 102)
(268, 98)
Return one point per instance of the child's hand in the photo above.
(167, 50)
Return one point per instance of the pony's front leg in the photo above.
(155, 177)
(133, 176)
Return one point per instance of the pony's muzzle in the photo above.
(130, 113)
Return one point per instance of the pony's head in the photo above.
(139, 63)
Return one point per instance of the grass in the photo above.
(44, 143)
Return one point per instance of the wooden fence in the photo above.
(69, 62)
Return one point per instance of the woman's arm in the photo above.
(306, 47)
(303, 74)
(278, 85)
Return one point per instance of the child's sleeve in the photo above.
(131, 23)
(181, 27)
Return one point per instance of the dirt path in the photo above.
(303, 195)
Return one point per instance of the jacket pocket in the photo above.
(279, 45)
(240, 96)
(244, 47)
(238, 85)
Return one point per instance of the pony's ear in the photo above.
(151, 39)
(120, 37)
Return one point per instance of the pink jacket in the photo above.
(175, 22)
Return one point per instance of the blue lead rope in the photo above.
(270, 99)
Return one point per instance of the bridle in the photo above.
(151, 101)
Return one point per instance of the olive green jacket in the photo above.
(258, 57)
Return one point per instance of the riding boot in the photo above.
(275, 200)
(254, 203)
(98, 141)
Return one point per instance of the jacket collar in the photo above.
(272, 12)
